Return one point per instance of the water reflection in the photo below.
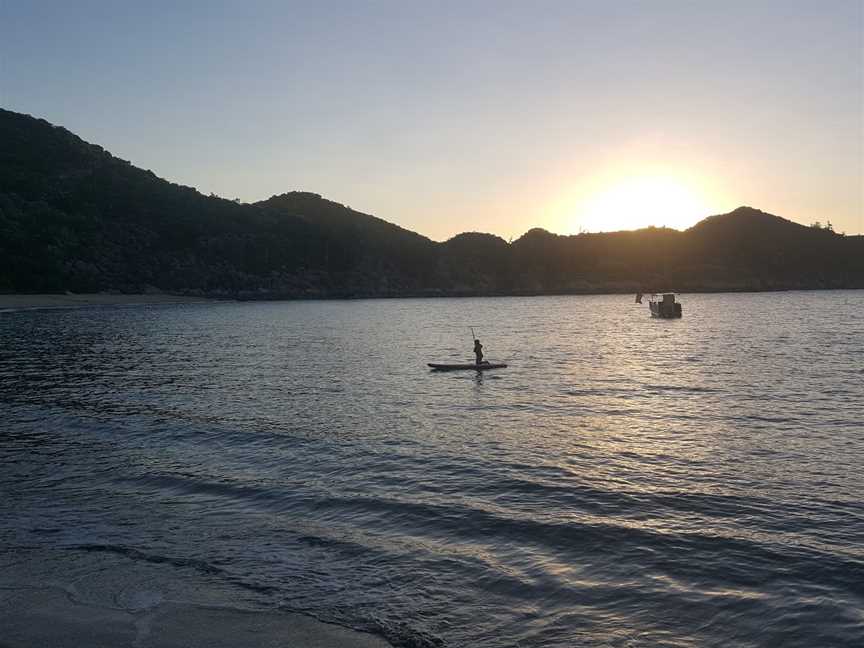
(620, 467)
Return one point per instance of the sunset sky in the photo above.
(453, 116)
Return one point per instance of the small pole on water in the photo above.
(473, 337)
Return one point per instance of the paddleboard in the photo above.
(477, 367)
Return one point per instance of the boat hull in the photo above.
(483, 366)
(665, 311)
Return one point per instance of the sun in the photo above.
(642, 201)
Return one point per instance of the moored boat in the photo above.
(663, 305)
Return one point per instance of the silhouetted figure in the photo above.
(478, 351)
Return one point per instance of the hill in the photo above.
(75, 218)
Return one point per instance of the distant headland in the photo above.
(75, 218)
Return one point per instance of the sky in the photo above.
(466, 115)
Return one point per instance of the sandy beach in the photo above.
(68, 300)
(52, 617)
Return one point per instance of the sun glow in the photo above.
(640, 201)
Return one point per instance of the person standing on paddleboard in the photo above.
(478, 351)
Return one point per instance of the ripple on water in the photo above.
(622, 483)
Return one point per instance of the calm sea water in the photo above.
(626, 482)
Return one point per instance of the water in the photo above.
(626, 482)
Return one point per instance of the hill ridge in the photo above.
(74, 217)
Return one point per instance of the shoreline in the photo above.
(25, 302)
(50, 616)
(19, 302)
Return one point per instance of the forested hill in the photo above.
(75, 218)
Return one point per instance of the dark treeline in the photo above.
(75, 218)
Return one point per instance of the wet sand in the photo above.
(50, 617)
(23, 302)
